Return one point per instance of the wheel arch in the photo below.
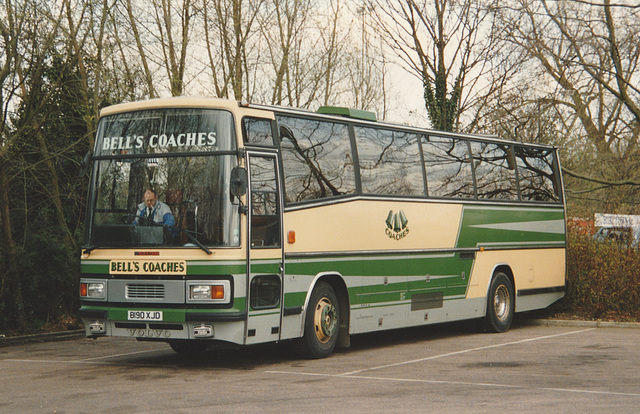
(501, 302)
(506, 269)
(337, 283)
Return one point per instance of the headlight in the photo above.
(204, 292)
(216, 292)
(93, 290)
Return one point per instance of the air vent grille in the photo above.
(144, 291)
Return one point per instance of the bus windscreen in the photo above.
(161, 180)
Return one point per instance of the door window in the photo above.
(265, 210)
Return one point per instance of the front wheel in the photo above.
(321, 323)
(500, 304)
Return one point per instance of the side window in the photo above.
(448, 167)
(389, 162)
(536, 172)
(256, 131)
(317, 159)
(495, 171)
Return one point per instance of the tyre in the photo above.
(500, 304)
(321, 323)
(188, 347)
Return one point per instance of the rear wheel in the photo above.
(500, 304)
(321, 323)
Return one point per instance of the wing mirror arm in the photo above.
(238, 185)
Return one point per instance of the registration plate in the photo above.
(144, 315)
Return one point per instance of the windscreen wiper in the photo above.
(190, 236)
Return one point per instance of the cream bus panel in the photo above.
(532, 269)
(373, 225)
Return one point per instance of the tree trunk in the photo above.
(54, 192)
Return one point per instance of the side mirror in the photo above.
(239, 182)
(85, 164)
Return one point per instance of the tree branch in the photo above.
(599, 181)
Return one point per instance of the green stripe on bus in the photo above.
(446, 273)
(294, 299)
(381, 265)
(96, 267)
(270, 266)
(515, 227)
(168, 315)
(215, 269)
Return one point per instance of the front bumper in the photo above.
(176, 324)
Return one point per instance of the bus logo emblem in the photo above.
(397, 225)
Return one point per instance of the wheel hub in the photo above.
(325, 320)
(501, 303)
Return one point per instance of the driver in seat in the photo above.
(154, 210)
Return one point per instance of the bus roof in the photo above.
(330, 112)
(178, 101)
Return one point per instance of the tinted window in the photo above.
(317, 159)
(389, 162)
(257, 131)
(265, 292)
(536, 172)
(448, 168)
(495, 171)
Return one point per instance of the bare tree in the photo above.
(579, 66)
(447, 44)
(610, 37)
(367, 67)
(174, 41)
(229, 25)
(161, 32)
(281, 26)
(142, 54)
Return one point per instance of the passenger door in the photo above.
(265, 279)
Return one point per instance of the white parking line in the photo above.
(85, 362)
(466, 383)
(352, 374)
(464, 351)
(94, 360)
(126, 354)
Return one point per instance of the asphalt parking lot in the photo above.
(445, 368)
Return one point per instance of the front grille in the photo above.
(140, 291)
